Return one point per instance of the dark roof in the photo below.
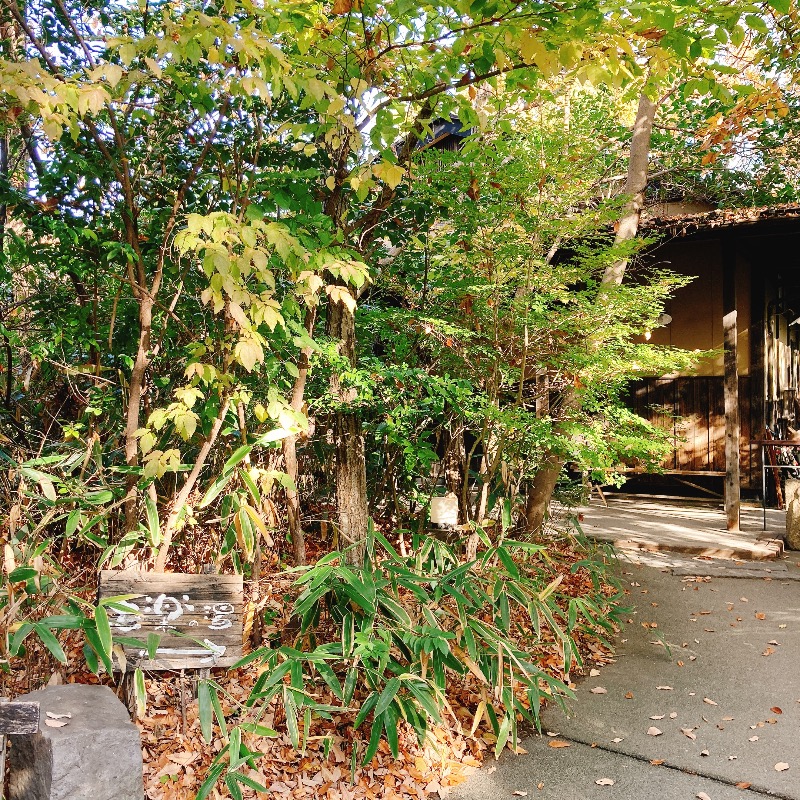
(686, 224)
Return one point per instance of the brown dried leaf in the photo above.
(743, 785)
(604, 782)
(653, 731)
(776, 710)
(689, 732)
(781, 766)
(558, 743)
(55, 723)
(599, 690)
(709, 701)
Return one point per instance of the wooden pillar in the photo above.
(758, 390)
(731, 385)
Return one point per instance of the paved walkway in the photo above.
(712, 662)
(684, 526)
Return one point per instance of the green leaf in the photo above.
(387, 695)
(208, 784)
(502, 736)
(374, 740)
(781, 6)
(290, 707)
(235, 747)
(91, 659)
(367, 706)
(247, 781)
(153, 524)
(205, 711)
(258, 730)
(50, 642)
(216, 488)
(103, 629)
(140, 691)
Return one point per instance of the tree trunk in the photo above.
(135, 389)
(540, 491)
(350, 471)
(289, 447)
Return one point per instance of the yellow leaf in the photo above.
(248, 353)
(330, 182)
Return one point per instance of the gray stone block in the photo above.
(97, 755)
(792, 492)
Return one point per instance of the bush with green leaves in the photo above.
(390, 638)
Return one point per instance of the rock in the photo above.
(793, 514)
(97, 754)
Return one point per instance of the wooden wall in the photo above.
(692, 409)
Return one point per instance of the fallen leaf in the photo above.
(558, 743)
(702, 796)
(604, 782)
(657, 716)
(673, 714)
(782, 625)
(657, 762)
(664, 688)
(753, 739)
(744, 599)
(540, 785)
(709, 701)
(732, 758)
(760, 615)
(519, 793)
(781, 766)
(704, 752)
(653, 731)
(680, 663)
(768, 651)
(689, 732)
(51, 715)
(728, 719)
(593, 673)
(629, 696)
(775, 642)
(184, 759)
(55, 723)
(776, 710)
(743, 785)
(617, 740)
(599, 690)
(553, 733)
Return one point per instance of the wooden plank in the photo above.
(716, 405)
(685, 425)
(702, 436)
(731, 385)
(19, 717)
(197, 617)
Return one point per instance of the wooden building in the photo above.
(744, 303)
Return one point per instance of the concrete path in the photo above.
(710, 660)
(683, 526)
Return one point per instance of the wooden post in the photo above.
(731, 385)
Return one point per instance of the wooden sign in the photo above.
(198, 618)
(19, 717)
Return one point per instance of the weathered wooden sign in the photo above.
(198, 618)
